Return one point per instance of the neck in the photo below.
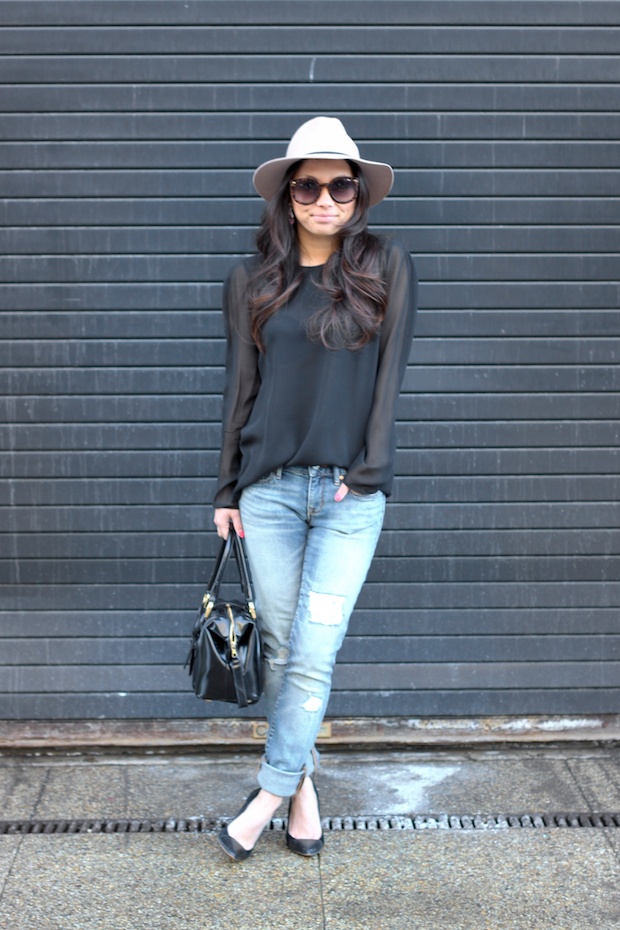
(315, 250)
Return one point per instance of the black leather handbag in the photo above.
(225, 658)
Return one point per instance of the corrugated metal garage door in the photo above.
(129, 132)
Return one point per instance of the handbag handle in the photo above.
(244, 569)
(234, 544)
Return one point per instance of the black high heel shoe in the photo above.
(229, 844)
(305, 847)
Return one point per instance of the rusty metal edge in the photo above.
(355, 733)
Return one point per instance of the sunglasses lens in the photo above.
(306, 190)
(342, 190)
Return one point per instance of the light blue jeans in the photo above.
(309, 556)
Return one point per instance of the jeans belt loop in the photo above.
(278, 471)
(337, 475)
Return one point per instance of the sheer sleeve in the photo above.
(374, 466)
(241, 385)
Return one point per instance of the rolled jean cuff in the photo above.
(282, 784)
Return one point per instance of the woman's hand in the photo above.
(342, 492)
(224, 517)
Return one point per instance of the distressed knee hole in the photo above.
(280, 658)
(313, 704)
(327, 609)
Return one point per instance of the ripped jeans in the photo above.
(309, 556)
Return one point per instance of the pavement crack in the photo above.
(9, 871)
(579, 786)
(42, 789)
(322, 895)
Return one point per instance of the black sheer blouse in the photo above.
(299, 403)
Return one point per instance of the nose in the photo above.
(325, 199)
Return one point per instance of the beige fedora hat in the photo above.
(323, 137)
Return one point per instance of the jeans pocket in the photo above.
(365, 497)
(267, 479)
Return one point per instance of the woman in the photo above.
(319, 327)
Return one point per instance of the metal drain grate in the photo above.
(451, 822)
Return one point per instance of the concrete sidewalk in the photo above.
(463, 879)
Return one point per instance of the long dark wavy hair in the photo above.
(352, 279)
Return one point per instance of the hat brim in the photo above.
(379, 176)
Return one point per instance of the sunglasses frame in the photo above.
(345, 177)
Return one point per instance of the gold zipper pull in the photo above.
(232, 635)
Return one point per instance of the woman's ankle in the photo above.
(256, 815)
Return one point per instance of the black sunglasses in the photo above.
(308, 190)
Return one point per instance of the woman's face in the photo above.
(324, 217)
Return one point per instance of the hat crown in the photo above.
(321, 136)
